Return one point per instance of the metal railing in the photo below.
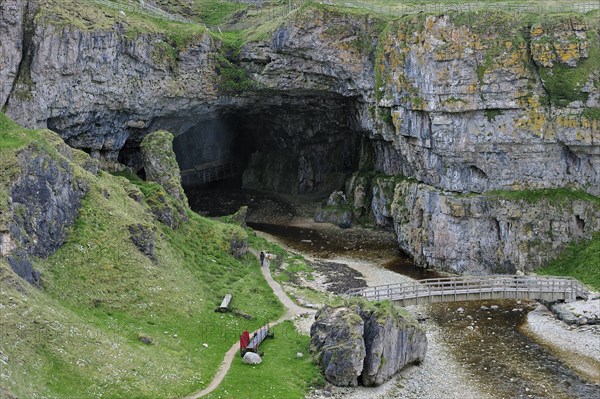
(475, 287)
(208, 172)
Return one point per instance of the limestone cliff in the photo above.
(465, 105)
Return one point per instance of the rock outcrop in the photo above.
(160, 166)
(335, 210)
(43, 204)
(367, 345)
(495, 232)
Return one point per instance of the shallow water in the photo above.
(490, 345)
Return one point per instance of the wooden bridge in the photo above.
(469, 288)
(208, 172)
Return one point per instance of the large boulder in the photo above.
(335, 210)
(366, 343)
(337, 341)
(392, 341)
(251, 358)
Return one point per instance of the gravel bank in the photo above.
(578, 346)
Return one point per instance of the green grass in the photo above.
(281, 374)
(552, 195)
(591, 114)
(564, 84)
(580, 260)
(78, 337)
(11, 135)
(216, 12)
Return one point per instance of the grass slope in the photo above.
(277, 376)
(79, 336)
(580, 260)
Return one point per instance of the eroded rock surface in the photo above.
(366, 345)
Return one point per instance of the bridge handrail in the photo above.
(472, 284)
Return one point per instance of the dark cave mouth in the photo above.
(309, 147)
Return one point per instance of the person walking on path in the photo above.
(262, 257)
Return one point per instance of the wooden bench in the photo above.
(224, 307)
(252, 345)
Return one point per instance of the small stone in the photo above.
(205, 345)
(470, 328)
(299, 354)
(460, 310)
(484, 308)
(494, 307)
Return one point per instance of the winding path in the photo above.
(291, 310)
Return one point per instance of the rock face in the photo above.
(338, 343)
(161, 167)
(354, 344)
(458, 105)
(497, 232)
(143, 238)
(44, 202)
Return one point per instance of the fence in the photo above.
(475, 288)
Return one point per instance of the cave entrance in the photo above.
(304, 146)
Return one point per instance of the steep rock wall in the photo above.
(496, 232)
(461, 103)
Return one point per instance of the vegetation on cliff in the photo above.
(580, 260)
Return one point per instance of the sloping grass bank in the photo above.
(580, 260)
(110, 321)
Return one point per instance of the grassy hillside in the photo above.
(580, 260)
(111, 322)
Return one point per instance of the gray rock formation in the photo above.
(335, 210)
(367, 345)
(463, 108)
(391, 342)
(44, 202)
(498, 232)
(251, 358)
(161, 167)
(338, 344)
(238, 244)
(143, 238)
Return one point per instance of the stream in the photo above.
(489, 345)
